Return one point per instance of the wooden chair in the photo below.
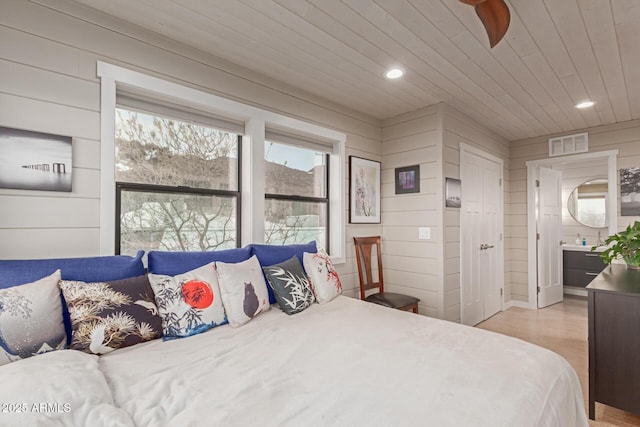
(364, 247)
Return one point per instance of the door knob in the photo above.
(485, 246)
(488, 246)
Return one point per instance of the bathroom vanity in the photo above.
(580, 265)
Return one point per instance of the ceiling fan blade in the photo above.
(495, 17)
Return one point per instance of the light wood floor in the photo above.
(561, 328)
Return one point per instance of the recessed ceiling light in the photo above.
(394, 73)
(585, 104)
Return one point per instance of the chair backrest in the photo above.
(364, 249)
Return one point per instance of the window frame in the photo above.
(311, 199)
(256, 120)
(169, 189)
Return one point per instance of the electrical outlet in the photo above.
(424, 233)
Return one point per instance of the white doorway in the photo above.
(551, 272)
(481, 235)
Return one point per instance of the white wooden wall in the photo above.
(622, 136)
(413, 266)
(458, 128)
(48, 66)
(429, 269)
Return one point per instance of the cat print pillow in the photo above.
(243, 290)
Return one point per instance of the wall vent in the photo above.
(569, 144)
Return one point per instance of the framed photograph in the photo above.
(364, 191)
(408, 179)
(34, 160)
(630, 192)
(452, 193)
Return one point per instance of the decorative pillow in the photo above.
(189, 303)
(273, 254)
(324, 279)
(244, 291)
(31, 319)
(290, 284)
(106, 316)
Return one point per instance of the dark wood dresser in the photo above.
(614, 339)
(579, 268)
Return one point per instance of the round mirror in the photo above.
(587, 203)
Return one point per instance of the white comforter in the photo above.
(60, 388)
(345, 363)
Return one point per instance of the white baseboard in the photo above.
(515, 303)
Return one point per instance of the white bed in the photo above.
(344, 363)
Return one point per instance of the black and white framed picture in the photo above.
(630, 192)
(34, 160)
(364, 191)
(452, 193)
(408, 179)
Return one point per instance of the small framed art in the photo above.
(408, 179)
(453, 193)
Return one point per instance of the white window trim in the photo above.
(256, 121)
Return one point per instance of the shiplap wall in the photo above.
(413, 266)
(48, 60)
(429, 269)
(622, 136)
(457, 128)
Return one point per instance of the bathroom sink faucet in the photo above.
(599, 242)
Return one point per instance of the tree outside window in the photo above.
(177, 184)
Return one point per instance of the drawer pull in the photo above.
(591, 274)
(591, 255)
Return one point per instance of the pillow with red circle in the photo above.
(189, 303)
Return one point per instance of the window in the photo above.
(188, 165)
(177, 184)
(592, 210)
(296, 194)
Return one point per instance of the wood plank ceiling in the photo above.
(556, 53)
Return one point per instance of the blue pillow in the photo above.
(275, 254)
(174, 263)
(88, 269)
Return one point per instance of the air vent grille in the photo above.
(569, 144)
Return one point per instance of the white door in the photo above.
(550, 237)
(482, 269)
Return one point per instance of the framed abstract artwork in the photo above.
(34, 160)
(364, 191)
(408, 179)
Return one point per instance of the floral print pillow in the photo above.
(109, 315)
(323, 277)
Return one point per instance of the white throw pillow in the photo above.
(31, 319)
(244, 291)
(188, 303)
(323, 277)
